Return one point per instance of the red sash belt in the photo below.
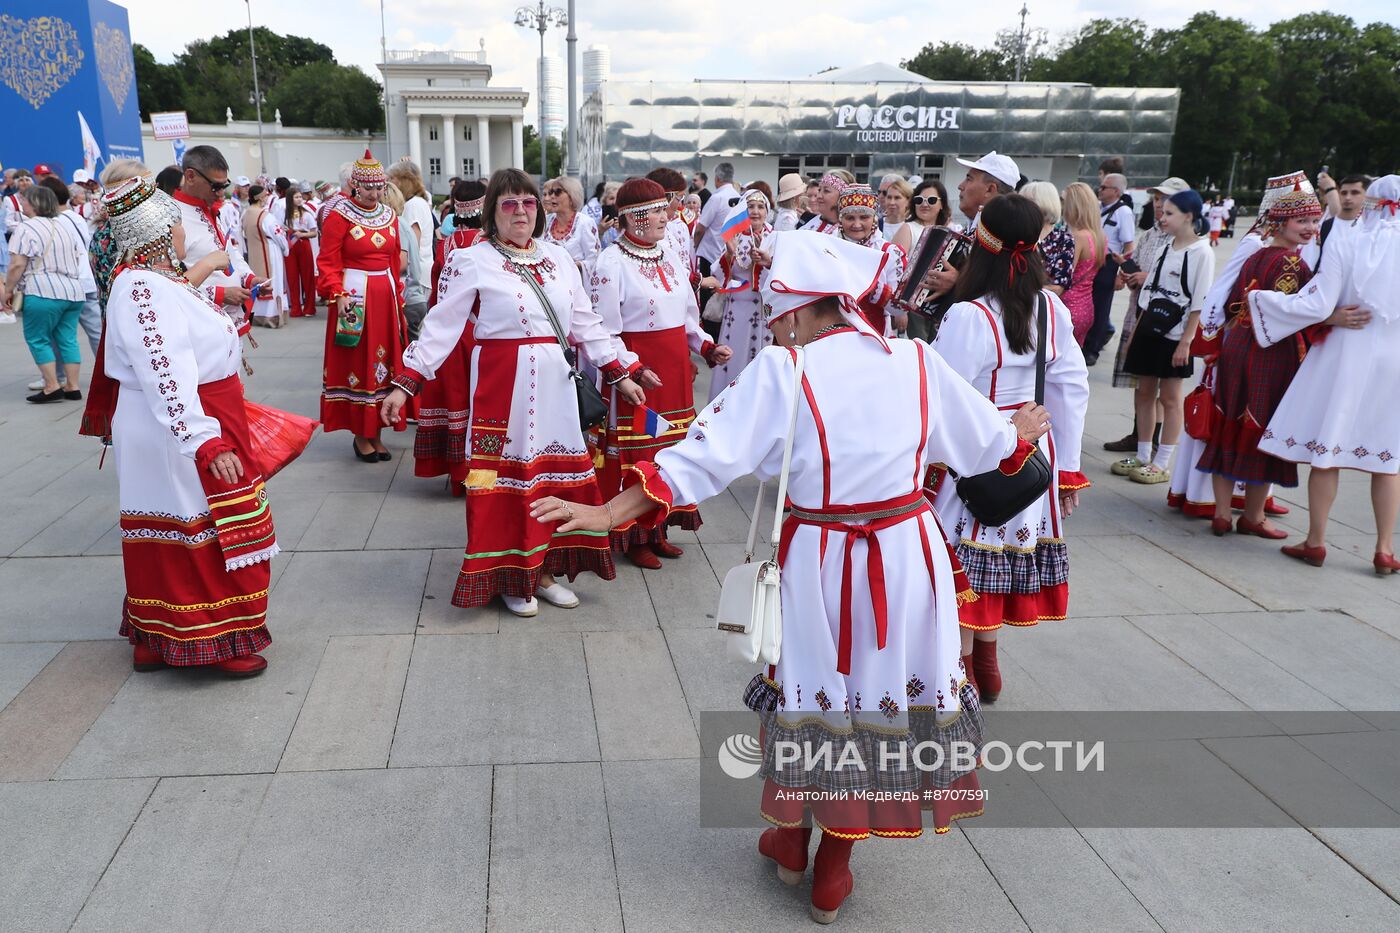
(872, 517)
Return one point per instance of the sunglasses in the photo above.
(216, 185)
(513, 205)
(921, 199)
(554, 192)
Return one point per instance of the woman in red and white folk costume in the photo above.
(524, 437)
(268, 248)
(642, 293)
(1339, 413)
(859, 224)
(824, 203)
(870, 652)
(680, 223)
(1020, 571)
(566, 224)
(440, 443)
(367, 332)
(744, 327)
(197, 533)
(1250, 380)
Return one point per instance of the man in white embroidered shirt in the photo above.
(201, 189)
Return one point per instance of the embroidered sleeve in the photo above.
(150, 328)
(443, 326)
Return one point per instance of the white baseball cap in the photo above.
(242, 180)
(1002, 168)
(81, 176)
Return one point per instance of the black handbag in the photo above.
(994, 498)
(592, 410)
(1162, 313)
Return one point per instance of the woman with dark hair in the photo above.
(440, 443)
(930, 206)
(361, 281)
(299, 222)
(1020, 570)
(267, 256)
(525, 299)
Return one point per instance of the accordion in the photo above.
(937, 248)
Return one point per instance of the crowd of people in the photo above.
(545, 347)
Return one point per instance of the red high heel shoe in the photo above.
(1385, 564)
(832, 882)
(984, 661)
(1220, 526)
(1308, 555)
(788, 847)
(1246, 527)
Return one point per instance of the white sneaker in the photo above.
(558, 594)
(36, 385)
(525, 608)
(7, 317)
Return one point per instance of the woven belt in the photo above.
(855, 517)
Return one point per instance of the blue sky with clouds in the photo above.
(679, 40)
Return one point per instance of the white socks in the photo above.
(1144, 453)
(1164, 455)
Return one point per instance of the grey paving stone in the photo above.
(616, 605)
(343, 522)
(660, 846)
(1242, 879)
(419, 513)
(19, 663)
(173, 869)
(438, 616)
(1127, 576)
(1057, 881)
(43, 723)
(1373, 852)
(685, 592)
(398, 849)
(1232, 664)
(292, 513)
(194, 722)
(637, 701)
(551, 851)
(1360, 668)
(27, 517)
(78, 529)
(348, 718)
(350, 593)
(59, 836)
(92, 588)
(495, 699)
(711, 680)
(1129, 671)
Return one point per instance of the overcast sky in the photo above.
(676, 40)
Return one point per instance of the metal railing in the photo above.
(435, 57)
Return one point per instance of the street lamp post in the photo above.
(384, 57)
(571, 149)
(257, 94)
(541, 17)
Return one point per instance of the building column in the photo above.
(415, 141)
(450, 165)
(517, 141)
(483, 145)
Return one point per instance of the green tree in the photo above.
(958, 61)
(554, 154)
(1372, 141)
(1223, 68)
(328, 95)
(158, 87)
(1104, 53)
(1317, 62)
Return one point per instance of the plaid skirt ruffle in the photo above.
(1015, 587)
(478, 589)
(191, 652)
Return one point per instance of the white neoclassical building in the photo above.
(444, 115)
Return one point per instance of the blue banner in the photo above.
(69, 85)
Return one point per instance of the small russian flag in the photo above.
(736, 223)
(652, 424)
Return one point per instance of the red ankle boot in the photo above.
(245, 665)
(664, 548)
(984, 661)
(145, 659)
(788, 847)
(832, 882)
(971, 674)
(642, 556)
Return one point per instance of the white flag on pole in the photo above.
(91, 153)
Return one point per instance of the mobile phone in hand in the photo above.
(1129, 266)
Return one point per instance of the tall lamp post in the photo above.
(541, 17)
(571, 150)
(257, 94)
(384, 56)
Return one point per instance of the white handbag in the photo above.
(750, 602)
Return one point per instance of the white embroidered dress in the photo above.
(1020, 569)
(273, 246)
(580, 241)
(744, 327)
(204, 235)
(1340, 410)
